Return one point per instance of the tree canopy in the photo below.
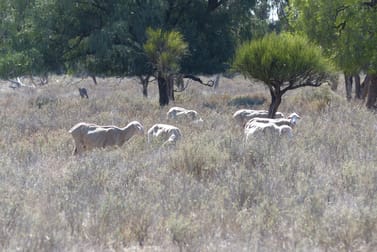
(105, 38)
(345, 29)
(283, 62)
(165, 50)
(347, 32)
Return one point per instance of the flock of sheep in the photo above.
(256, 122)
(88, 136)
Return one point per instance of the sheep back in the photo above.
(182, 113)
(243, 115)
(164, 132)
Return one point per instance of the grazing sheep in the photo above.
(291, 121)
(88, 136)
(83, 93)
(243, 115)
(169, 133)
(278, 122)
(182, 113)
(294, 117)
(285, 130)
(261, 128)
(279, 126)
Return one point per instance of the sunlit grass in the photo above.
(316, 191)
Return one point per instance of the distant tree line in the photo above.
(186, 37)
(106, 38)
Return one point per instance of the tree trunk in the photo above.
(365, 87)
(144, 82)
(163, 90)
(170, 84)
(275, 102)
(217, 81)
(348, 83)
(145, 89)
(357, 86)
(180, 83)
(372, 92)
(94, 79)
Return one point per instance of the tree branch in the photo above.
(192, 77)
(210, 83)
(18, 83)
(342, 25)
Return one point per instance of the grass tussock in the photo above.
(247, 101)
(211, 192)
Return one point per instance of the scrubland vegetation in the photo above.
(314, 192)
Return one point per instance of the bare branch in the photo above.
(18, 83)
(192, 77)
(210, 83)
(183, 88)
(340, 27)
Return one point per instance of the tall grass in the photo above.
(313, 192)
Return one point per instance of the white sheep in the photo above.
(294, 118)
(256, 128)
(88, 136)
(244, 115)
(165, 132)
(182, 113)
(278, 121)
(279, 126)
(290, 121)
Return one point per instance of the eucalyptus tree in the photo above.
(283, 62)
(347, 32)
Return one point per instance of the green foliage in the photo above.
(210, 38)
(165, 50)
(283, 62)
(345, 29)
(13, 65)
(283, 58)
(106, 38)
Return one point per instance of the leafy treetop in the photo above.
(283, 62)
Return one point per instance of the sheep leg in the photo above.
(80, 148)
(75, 148)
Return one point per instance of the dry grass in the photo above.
(315, 192)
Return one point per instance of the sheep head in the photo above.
(294, 118)
(137, 127)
